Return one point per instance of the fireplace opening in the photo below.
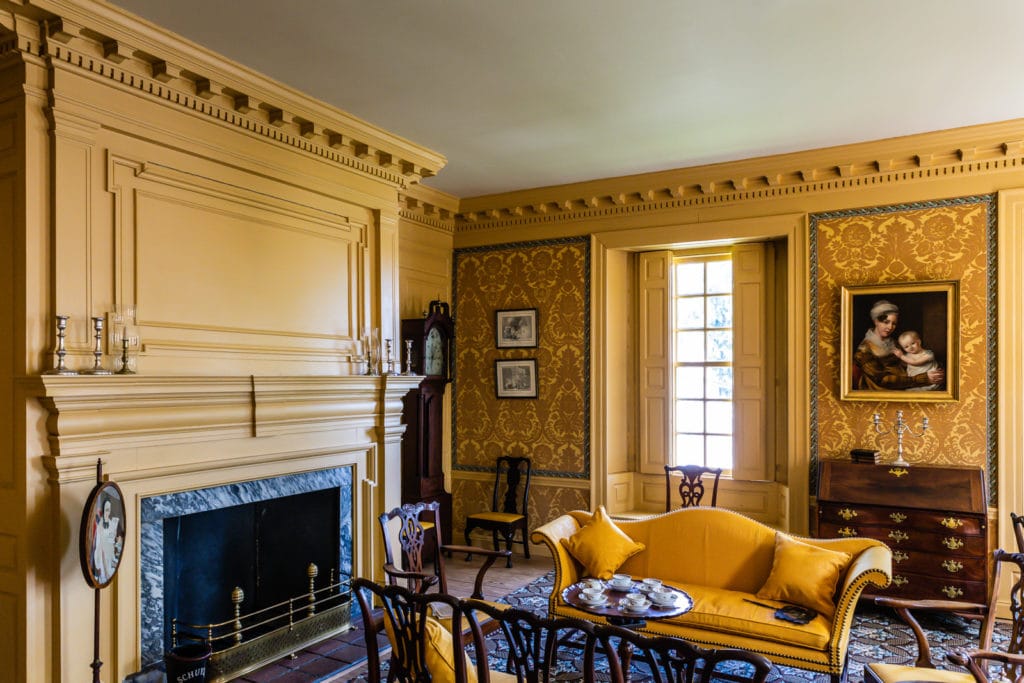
(264, 548)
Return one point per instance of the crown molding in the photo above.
(974, 150)
(428, 207)
(131, 53)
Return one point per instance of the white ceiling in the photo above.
(528, 93)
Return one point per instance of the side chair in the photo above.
(924, 670)
(509, 512)
(690, 485)
(420, 525)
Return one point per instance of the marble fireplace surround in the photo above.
(162, 436)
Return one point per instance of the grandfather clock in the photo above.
(422, 411)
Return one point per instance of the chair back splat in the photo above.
(509, 506)
(690, 485)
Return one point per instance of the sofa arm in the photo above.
(567, 570)
(872, 565)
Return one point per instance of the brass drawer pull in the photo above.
(952, 592)
(900, 580)
(952, 566)
(847, 514)
(898, 536)
(898, 471)
(899, 556)
(952, 523)
(898, 517)
(847, 531)
(952, 542)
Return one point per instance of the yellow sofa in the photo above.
(721, 557)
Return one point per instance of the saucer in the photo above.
(635, 609)
(622, 588)
(594, 603)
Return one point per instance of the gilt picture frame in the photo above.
(515, 378)
(515, 328)
(900, 342)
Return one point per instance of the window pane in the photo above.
(719, 383)
(720, 311)
(720, 346)
(689, 449)
(689, 347)
(690, 313)
(719, 277)
(690, 417)
(720, 452)
(689, 382)
(719, 417)
(689, 278)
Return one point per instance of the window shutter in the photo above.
(656, 400)
(750, 362)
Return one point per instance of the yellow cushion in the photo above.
(504, 517)
(438, 652)
(600, 546)
(895, 673)
(804, 574)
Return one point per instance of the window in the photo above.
(702, 354)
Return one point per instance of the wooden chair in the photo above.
(674, 660)
(533, 642)
(1018, 530)
(412, 631)
(924, 670)
(509, 511)
(420, 525)
(691, 485)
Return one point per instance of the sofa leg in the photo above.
(842, 677)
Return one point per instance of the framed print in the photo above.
(516, 378)
(516, 328)
(899, 342)
(101, 541)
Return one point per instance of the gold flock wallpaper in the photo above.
(941, 241)
(553, 429)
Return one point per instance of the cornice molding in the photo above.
(993, 148)
(428, 207)
(129, 53)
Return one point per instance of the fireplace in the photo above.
(260, 536)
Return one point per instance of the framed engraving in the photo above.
(515, 328)
(516, 378)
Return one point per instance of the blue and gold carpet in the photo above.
(878, 635)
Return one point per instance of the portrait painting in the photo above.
(102, 535)
(516, 328)
(899, 342)
(516, 378)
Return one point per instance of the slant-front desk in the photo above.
(933, 518)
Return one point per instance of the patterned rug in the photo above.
(877, 636)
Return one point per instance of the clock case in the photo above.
(423, 415)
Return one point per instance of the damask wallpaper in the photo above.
(945, 240)
(554, 277)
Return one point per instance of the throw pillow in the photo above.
(438, 653)
(600, 546)
(805, 575)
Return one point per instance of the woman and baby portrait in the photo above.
(898, 340)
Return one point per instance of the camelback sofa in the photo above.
(722, 559)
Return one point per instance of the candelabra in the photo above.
(371, 344)
(61, 369)
(899, 428)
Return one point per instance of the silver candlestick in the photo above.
(97, 364)
(125, 369)
(61, 369)
(900, 428)
(408, 356)
(389, 368)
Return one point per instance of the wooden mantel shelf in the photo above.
(89, 416)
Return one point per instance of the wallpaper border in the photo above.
(585, 241)
(991, 224)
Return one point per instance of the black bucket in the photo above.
(187, 663)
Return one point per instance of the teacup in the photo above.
(592, 583)
(635, 601)
(621, 581)
(663, 595)
(592, 594)
(651, 585)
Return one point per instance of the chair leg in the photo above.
(508, 534)
(494, 538)
(526, 543)
(469, 527)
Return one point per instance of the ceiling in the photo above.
(529, 93)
